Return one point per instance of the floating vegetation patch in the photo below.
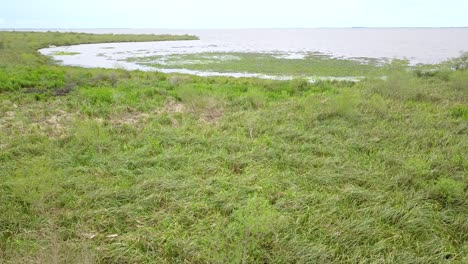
(65, 53)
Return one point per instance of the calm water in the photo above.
(418, 45)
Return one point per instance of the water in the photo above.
(418, 45)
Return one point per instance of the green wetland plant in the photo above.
(312, 65)
(114, 166)
(65, 53)
(460, 63)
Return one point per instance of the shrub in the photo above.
(460, 63)
(442, 74)
(299, 85)
(402, 86)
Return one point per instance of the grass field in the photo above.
(110, 166)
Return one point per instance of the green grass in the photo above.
(65, 53)
(20, 48)
(273, 64)
(110, 166)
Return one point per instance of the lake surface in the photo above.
(418, 45)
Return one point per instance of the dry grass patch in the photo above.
(172, 106)
(129, 118)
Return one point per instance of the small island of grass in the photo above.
(65, 53)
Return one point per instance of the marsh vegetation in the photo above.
(263, 63)
(115, 166)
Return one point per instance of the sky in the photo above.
(200, 14)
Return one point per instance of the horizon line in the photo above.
(229, 28)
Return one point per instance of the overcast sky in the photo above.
(191, 14)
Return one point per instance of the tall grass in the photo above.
(139, 167)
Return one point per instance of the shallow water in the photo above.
(418, 45)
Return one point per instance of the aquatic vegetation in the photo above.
(115, 166)
(65, 53)
(262, 63)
